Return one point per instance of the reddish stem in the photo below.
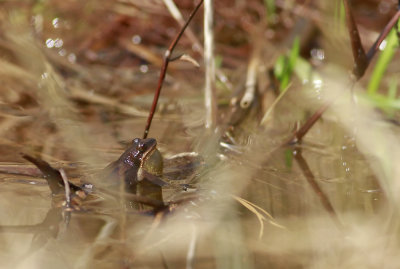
(298, 135)
(360, 58)
(383, 35)
(166, 60)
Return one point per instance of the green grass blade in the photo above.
(383, 61)
(270, 10)
(285, 65)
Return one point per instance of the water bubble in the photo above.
(318, 54)
(384, 7)
(196, 47)
(317, 83)
(62, 52)
(45, 75)
(222, 157)
(72, 58)
(171, 31)
(87, 186)
(136, 39)
(144, 68)
(58, 43)
(50, 43)
(382, 46)
(56, 22)
(224, 78)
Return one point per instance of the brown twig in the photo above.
(383, 35)
(166, 60)
(360, 58)
(299, 134)
(52, 176)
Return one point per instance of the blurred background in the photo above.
(77, 82)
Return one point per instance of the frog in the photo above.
(140, 167)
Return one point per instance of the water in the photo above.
(246, 205)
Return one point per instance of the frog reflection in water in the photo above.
(140, 166)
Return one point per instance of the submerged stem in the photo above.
(326, 203)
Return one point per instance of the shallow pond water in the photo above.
(77, 91)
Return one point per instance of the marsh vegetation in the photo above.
(291, 164)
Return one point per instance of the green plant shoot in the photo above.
(285, 65)
(383, 61)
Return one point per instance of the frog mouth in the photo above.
(148, 154)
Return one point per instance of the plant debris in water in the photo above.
(299, 172)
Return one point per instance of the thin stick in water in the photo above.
(166, 60)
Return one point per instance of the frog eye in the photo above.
(140, 146)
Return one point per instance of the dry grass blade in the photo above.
(190, 256)
(209, 63)
(99, 99)
(67, 188)
(260, 216)
(187, 58)
(268, 114)
(142, 52)
(251, 79)
(85, 257)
